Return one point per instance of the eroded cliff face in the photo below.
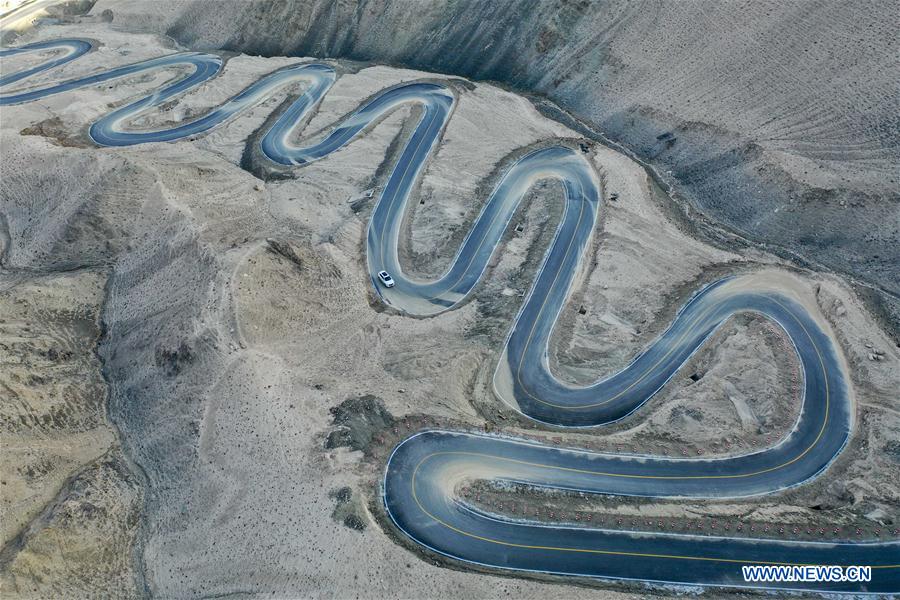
(778, 120)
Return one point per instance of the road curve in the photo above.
(425, 472)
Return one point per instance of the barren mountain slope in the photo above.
(777, 119)
(233, 324)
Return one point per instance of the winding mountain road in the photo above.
(426, 471)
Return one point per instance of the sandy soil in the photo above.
(54, 420)
(68, 508)
(237, 315)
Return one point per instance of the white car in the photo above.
(386, 279)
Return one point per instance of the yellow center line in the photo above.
(637, 476)
(608, 400)
(594, 550)
(770, 469)
(494, 218)
(549, 289)
(405, 171)
(643, 376)
(480, 243)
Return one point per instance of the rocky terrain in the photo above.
(69, 502)
(200, 389)
(776, 119)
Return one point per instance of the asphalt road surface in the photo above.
(425, 472)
